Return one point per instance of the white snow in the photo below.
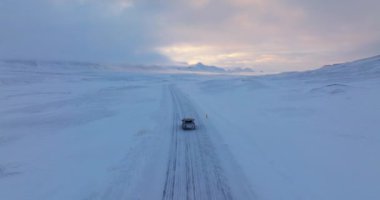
(87, 131)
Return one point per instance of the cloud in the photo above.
(299, 34)
(272, 35)
(77, 30)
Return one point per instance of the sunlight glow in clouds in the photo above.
(218, 56)
(270, 35)
(195, 54)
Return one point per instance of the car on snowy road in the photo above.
(188, 124)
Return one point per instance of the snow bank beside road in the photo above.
(81, 135)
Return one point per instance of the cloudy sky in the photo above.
(270, 35)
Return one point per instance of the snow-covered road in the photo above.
(194, 170)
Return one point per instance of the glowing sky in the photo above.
(270, 35)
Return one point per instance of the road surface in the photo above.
(194, 170)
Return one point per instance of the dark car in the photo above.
(188, 124)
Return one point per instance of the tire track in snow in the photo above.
(194, 170)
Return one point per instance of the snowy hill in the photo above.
(73, 130)
(362, 69)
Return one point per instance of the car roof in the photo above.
(188, 119)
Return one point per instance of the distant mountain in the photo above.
(200, 67)
(67, 66)
(241, 70)
(49, 66)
